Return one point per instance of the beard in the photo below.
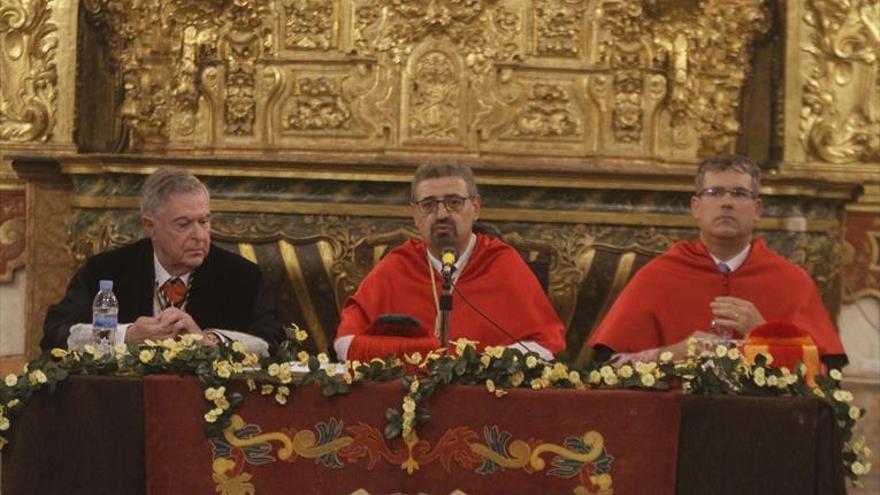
(444, 233)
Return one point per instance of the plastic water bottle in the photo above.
(105, 311)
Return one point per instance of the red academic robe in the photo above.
(668, 299)
(495, 279)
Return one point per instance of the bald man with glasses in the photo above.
(719, 286)
(495, 297)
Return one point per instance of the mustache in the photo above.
(444, 221)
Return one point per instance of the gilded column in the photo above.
(38, 41)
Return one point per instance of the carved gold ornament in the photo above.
(840, 117)
(28, 75)
(554, 77)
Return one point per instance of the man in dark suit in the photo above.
(174, 281)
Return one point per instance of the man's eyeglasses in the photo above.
(718, 192)
(452, 202)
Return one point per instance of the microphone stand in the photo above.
(445, 304)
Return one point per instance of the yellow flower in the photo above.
(58, 353)
(212, 415)
(610, 380)
(819, 393)
(284, 374)
(485, 360)
(330, 369)
(409, 405)
(461, 344)
(760, 378)
(517, 378)
(146, 355)
(836, 374)
(720, 350)
(281, 395)
(10, 380)
(121, 349)
(37, 376)
(648, 380)
(494, 351)
(413, 359)
(12, 403)
(346, 377)
(665, 356)
(595, 377)
(223, 368)
(531, 362)
(239, 347)
(90, 349)
(625, 371)
(733, 353)
(274, 369)
(300, 334)
(642, 368)
(558, 372)
(854, 412)
(858, 468)
(168, 355)
(323, 358)
(759, 372)
(251, 384)
(606, 371)
(302, 357)
(842, 396)
(490, 385)
(574, 377)
(267, 389)
(500, 393)
(772, 381)
(221, 402)
(4, 423)
(414, 386)
(547, 373)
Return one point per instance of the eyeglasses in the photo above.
(718, 192)
(452, 202)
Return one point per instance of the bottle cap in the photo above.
(105, 285)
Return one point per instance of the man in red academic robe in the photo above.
(496, 300)
(724, 283)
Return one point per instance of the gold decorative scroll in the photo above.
(28, 71)
(840, 113)
(560, 78)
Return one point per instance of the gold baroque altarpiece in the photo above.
(543, 77)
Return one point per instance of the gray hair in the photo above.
(164, 183)
(725, 162)
(445, 168)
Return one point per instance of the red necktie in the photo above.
(174, 291)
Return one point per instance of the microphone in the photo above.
(448, 257)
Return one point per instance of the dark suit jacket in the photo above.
(227, 292)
